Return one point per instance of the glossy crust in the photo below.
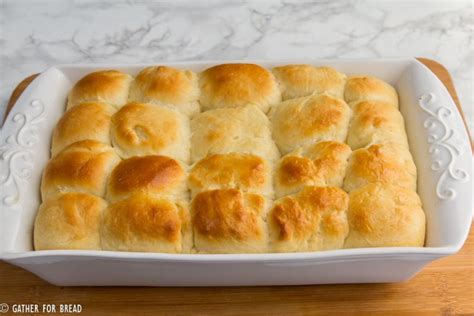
(248, 173)
(82, 167)
(69, 221)
(142, 222)
(158, 175)
(366, 88)
(107, 86)
(387, 163)
(312, 220)
(375, 122)
(303, 80)
(384, 215)
(243, 130)
(140, 129)
(167, 86)
(308, 120)
(229, 221)
(322, 164)
(85, 121)
(236, 85)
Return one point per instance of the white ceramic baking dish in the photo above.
(438, 142)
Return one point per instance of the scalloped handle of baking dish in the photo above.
(20, 159)
(441, 148)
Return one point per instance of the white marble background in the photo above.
(38, 34)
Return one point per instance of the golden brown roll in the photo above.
(143, 222)
(375, 122)
(387, 163)
(236, 85)
(140, 129)
(243, 130)
(85, 121)
(293, 173)
(229, 221)
(308, 120)
(302, 80)
(322, 164)
(167, 86)
(312, 220)
(248, 173)
(366, 88)
(157, 175)
(107, 86)
(69, 221)
(385, 215)
(81, 167)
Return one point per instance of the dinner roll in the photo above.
(293, 173)
(304, 121)
(166, 86)
(143, 129)
(69, 221)
(375, 122)
(85, 121)
(107, 86)
(81, 167)
(243, 130)
(157, 175)
(229, 221)
(143, 222)
(236, 85)
(322, 164)
(302, 80)
(246, 172)
(314, 219)
(365, 88)
(387, 163)
(385, 215)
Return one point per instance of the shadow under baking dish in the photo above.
(438, 143)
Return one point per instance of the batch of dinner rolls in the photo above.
(234, 159)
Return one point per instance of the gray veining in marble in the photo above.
(37, 34)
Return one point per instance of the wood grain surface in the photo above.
(445, 287)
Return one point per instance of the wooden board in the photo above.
(444, 287)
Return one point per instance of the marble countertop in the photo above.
(38, 34)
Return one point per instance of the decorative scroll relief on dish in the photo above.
(445, 146)
(16, 152)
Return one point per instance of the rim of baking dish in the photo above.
(330, 255)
